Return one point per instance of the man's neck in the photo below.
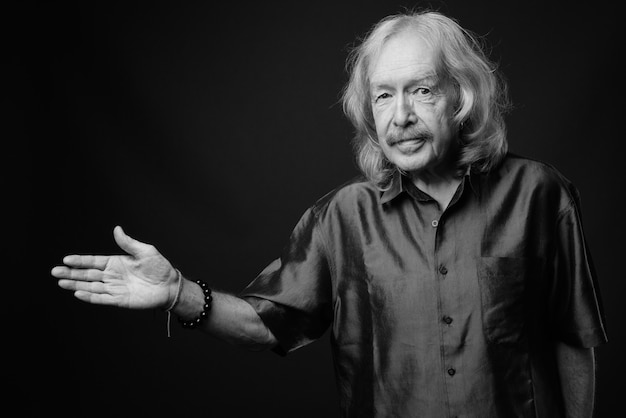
(440, 187)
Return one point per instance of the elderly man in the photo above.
(454, 276)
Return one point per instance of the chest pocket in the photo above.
(504, 284)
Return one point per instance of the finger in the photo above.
(90, 287)
(92, 275)
(96, 298)
(130, 245)
(87, 261)
(91, 292)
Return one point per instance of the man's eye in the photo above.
(422, 91)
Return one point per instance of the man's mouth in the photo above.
(405, 140)
(408, 141)
(408, 138)
(409, 145)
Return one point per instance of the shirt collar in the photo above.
(394, 189)
(472, 179)
(397, 186)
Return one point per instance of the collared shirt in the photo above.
(433, 313)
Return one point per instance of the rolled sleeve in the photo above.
(577, 305)
(293, 294)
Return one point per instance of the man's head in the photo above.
(423, 96)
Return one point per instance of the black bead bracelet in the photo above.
(205, 311)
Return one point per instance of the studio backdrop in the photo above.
(207, 129)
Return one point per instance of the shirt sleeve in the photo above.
(293, 294)
(576, 303)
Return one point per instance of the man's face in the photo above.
(412, 108)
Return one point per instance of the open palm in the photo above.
(142, 279)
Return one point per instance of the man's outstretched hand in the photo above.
(142, 279)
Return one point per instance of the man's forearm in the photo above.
(577, 373)
(230, 319)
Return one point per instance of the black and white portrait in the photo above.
(331, 209)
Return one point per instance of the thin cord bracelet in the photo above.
(168, 310)
(208, 298)
(178, 290)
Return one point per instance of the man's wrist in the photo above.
(191, 300)
(206, 308)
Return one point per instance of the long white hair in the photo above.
(480, 92)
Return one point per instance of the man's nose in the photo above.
(404, 114)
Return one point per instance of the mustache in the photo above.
(410, 135)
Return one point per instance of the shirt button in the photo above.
(443, 270)
(447, 319)
(434, 223)
(451, 371)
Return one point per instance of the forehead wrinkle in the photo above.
(395, 67)
(385, 82)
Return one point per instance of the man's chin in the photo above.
(410, 164)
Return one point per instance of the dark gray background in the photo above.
(206, 129)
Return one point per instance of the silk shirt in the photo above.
(433, 313)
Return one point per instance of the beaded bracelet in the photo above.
(205, 310)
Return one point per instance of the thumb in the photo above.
(128, 244)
